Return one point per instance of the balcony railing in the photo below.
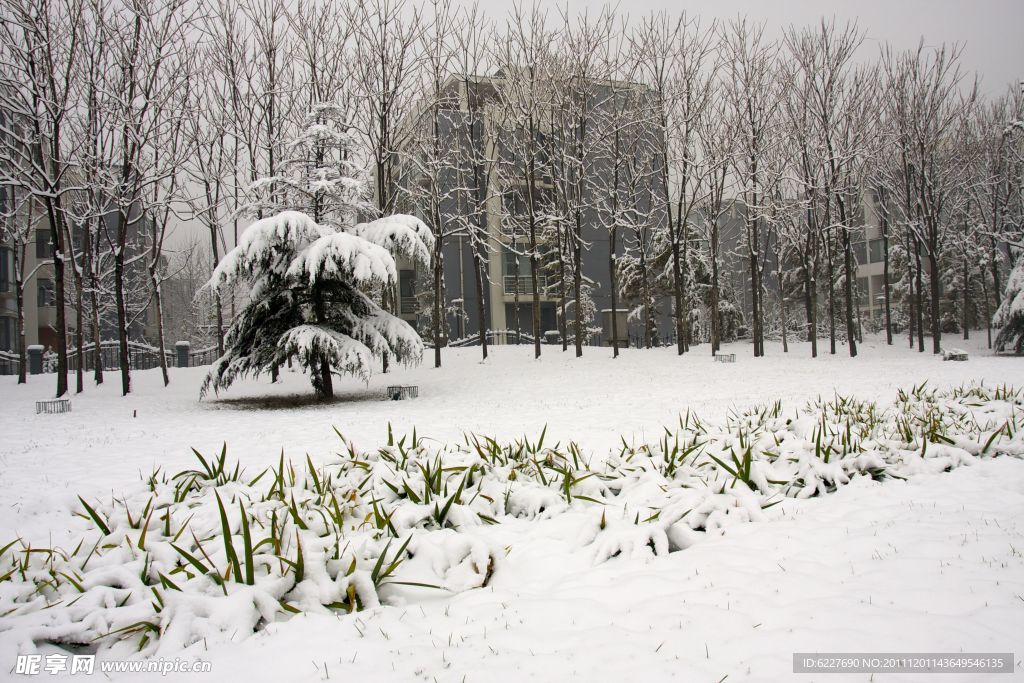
(524, 284)
(408, 305)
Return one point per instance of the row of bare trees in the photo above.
(695, 149)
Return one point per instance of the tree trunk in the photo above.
(754, 301)
(851, 333)
(911, 307)
(997, 289)
(988, 316)
(685, 294)
(97, 331)
(645, 289)
(577, 285)
(515, 298)
(438, 266)
(158, 302)
(782, 308)
(677, 292)
(808, 305)
(481, 308)
(19, 285)
(563, 322)
(612, 278)
(886, 287)
(78, 277)
(56, 218)
(814, 317)
(94, 305)
(535, 279)
(933, 280)
(79, 335)
(831, 302)
(122, 313)
(716, 322)
(326, 381)
(967, 287)
(919, 303)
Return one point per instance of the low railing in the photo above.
(495, 337)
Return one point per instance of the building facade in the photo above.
(471, 120)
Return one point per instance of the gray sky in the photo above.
(993, 30)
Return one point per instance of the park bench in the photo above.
(401, 392)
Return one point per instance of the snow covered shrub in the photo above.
(309, 300)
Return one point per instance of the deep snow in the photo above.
(933, 564)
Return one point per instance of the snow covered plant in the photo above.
(311, 297)
(215, 553)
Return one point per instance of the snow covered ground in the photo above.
(932, 564)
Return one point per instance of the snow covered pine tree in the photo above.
(307, 297)
(1010, 315)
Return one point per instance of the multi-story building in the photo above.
(40, 294)
(470, 117)
(869, 251)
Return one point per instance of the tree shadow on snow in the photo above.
(292, 401)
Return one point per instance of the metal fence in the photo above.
(9, 363)
(505, 337)
(202, 357)
(141, 356)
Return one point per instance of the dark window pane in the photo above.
(5, 269)
(43, 244)
(860, 252)
(877, 251)
(405, 282)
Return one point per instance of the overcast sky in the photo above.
(993, 30)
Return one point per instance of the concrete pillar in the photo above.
(182, 349)
(35, 359)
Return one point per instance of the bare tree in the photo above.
(18, 224)
(925, 102)
(838, 105)
(477, 149)
(524, 94)
(39, 47)
(752, 91)
(433, 152)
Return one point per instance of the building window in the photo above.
(509, 260)
(6, 264)
(43, 249)
(7, 334)
(860, 252)
(877, 251)
(407, 291)
(45, 293)
(862, 290)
